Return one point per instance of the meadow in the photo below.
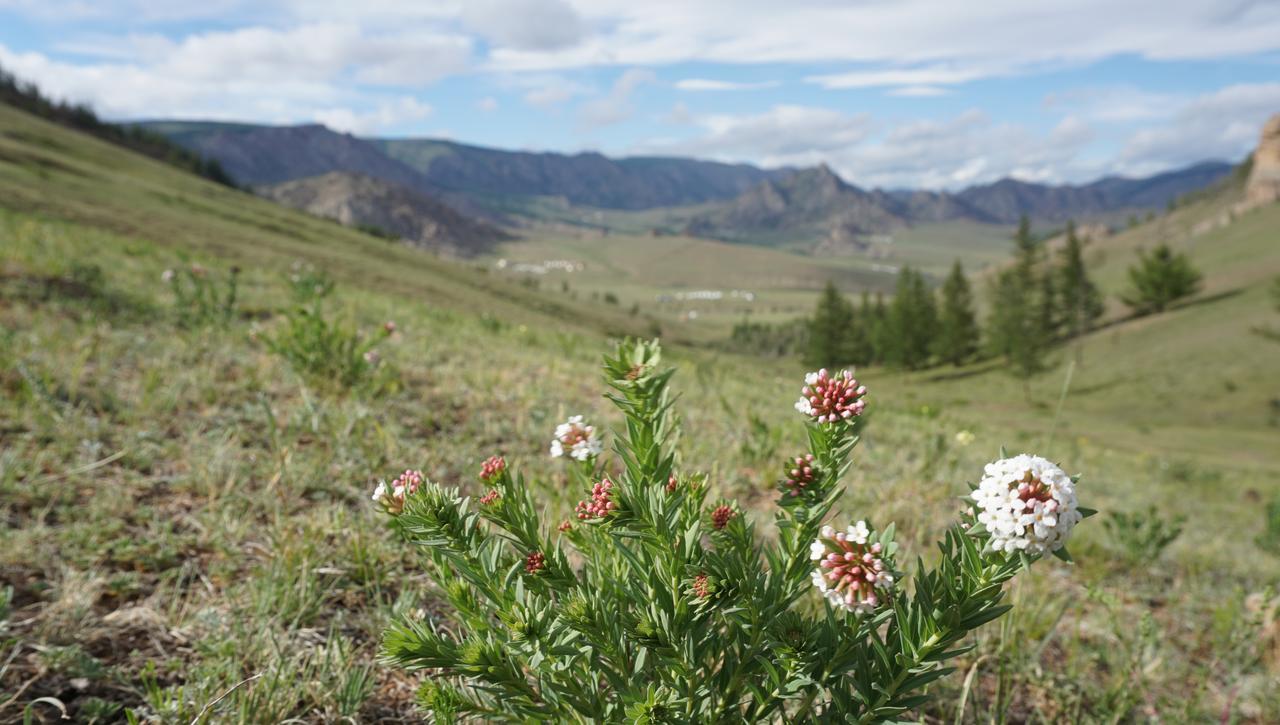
(187, 526)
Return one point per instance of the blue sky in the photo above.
(891, 93)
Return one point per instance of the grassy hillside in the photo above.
(183, 510)
(52, 173)
(641, 269)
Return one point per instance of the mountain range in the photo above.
(812, 208)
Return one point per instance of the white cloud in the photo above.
(919, 91)
(915, 39)
(385, 115)
(706, 84)
(488, 104)
(1116, 103)
(950, 153)
(679, 114)
(1223, 124)
(616, 106)
(783, 135)
(928, 76)
(526, 25)
(545, 90)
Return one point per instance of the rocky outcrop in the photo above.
(1263, 186)
(388, 209)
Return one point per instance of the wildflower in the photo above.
(672, 482)
(389, 326)
(601, 503)
(392, 496)
(831, 398)
(801, 474)
(721, 516)
(198, 270)
(534, 563)
(564, 526)
(490, 497)
(372, 357)
(166, 276)
(964, 437)
(492, 468)
(701, 587)
(576, 439)
(1027, 504)
(851, 571)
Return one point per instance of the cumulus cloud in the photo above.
(254, 73)
(385, 114)
(966, 149)
(1223, 124)
(782, 135)
(488, 104)
(918, 38)
(525, 25)
(1116, 103)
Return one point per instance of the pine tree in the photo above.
(957, 338)
(1080, 302)
(1017, 327)
(912, 322)
(1159, 279)
(828, 329)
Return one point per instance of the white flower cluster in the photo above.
(1027, 504)
(576, 439)
(850, 570)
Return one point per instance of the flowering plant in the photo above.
(657, 605)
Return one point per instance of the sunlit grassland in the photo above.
(183, 511)
(647, 271)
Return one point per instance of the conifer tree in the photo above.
(912, 322)
(828, 329)
(1159, 279)
(1017, 327)
(878, 328)
(1080, 302)
(957, 338)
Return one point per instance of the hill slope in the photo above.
(364, 201)
(66, 175)
(182, 510)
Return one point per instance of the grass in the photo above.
(183, 511)
(645, 270)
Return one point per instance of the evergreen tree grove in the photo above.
(957, 338)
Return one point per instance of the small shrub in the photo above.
(1159, 279)
(199, 299)
(325, 350)
(658, 602)
(1142, 535)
